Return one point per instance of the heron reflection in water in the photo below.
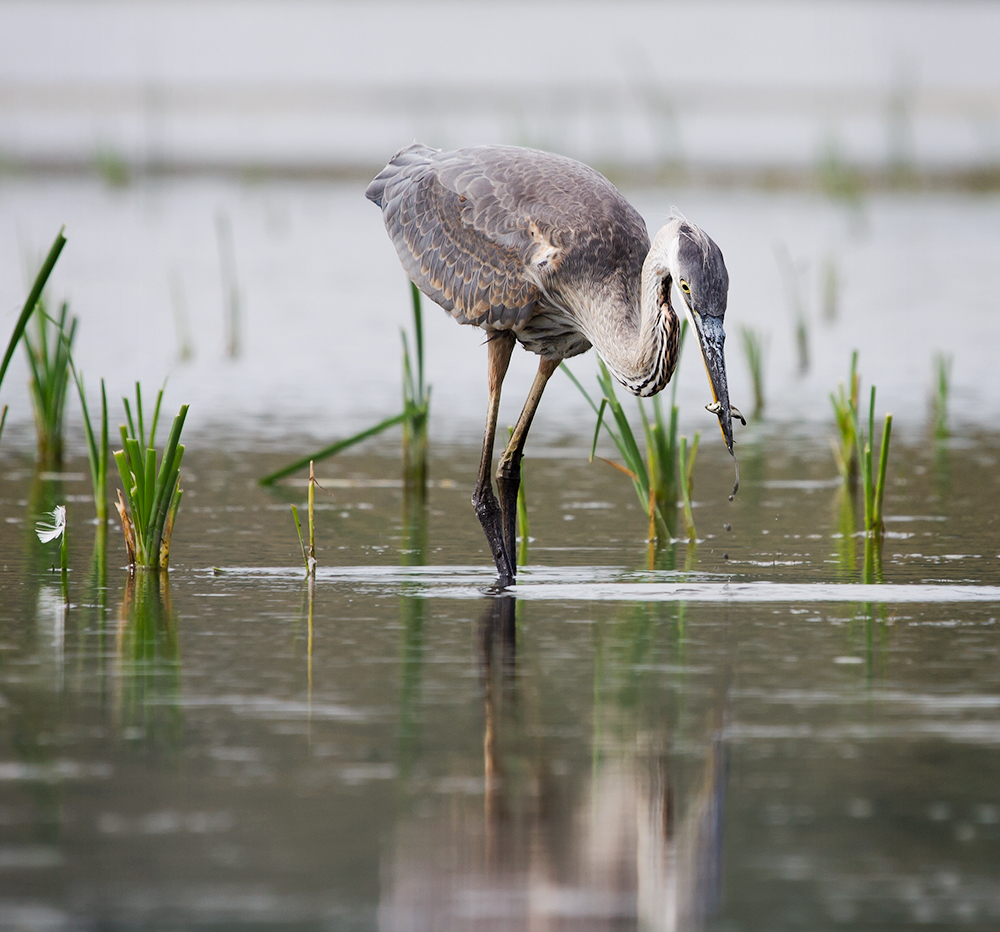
(631, 838)
(542, 250)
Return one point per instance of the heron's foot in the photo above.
(491, 518)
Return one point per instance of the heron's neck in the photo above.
(640, 347)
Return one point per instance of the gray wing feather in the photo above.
(478, 230)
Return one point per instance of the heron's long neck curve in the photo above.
(642, 354)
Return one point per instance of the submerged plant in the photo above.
(754, 348)
(152, 495)
(413, 417)
(34, 295)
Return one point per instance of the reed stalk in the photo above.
(308, 554)
(942, 371)
(152, 495)
(97, 451)
(32, 300)
(522, 513)
(855, 454)
(845, 409)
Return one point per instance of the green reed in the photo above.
(845, 409)
(942, 389)
(34, 295)
(413, 417)
(97, 450)
(48, 351)
(152, 495)
(755, 348)
(873, 483)
(855, 454)
(523, 529)
(659, 477)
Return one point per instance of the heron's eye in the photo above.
(685, 287)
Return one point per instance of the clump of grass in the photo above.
(942, 386)
(659, 477)
(34, 295)
(873, 484)
(152, 495)
(755, 348)
(413, 417)
(855, 453)
(845, 409)
(48, 351)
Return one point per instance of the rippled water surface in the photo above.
(736, 735)
(757, 731)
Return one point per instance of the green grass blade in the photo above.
(141, 436)
(883, 461)
(156, 414)
(93, 454)
(597, 428)
(169, 465)
(576, 382)
(418, 330)
(302, 543)
(149, 482)
(130, 431)
(334, 448)
(32, 300)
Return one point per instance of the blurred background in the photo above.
(213, 155)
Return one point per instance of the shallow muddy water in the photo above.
(742, 737)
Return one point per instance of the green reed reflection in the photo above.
(148, 653)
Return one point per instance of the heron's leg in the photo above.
(509, 470)
(501, 345)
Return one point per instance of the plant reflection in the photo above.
(636, 839)
(148, 655)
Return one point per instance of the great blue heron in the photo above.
(540, 249)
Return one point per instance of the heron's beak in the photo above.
(711, 340)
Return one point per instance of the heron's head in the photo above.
(697, 268)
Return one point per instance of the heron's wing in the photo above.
(485, 231)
